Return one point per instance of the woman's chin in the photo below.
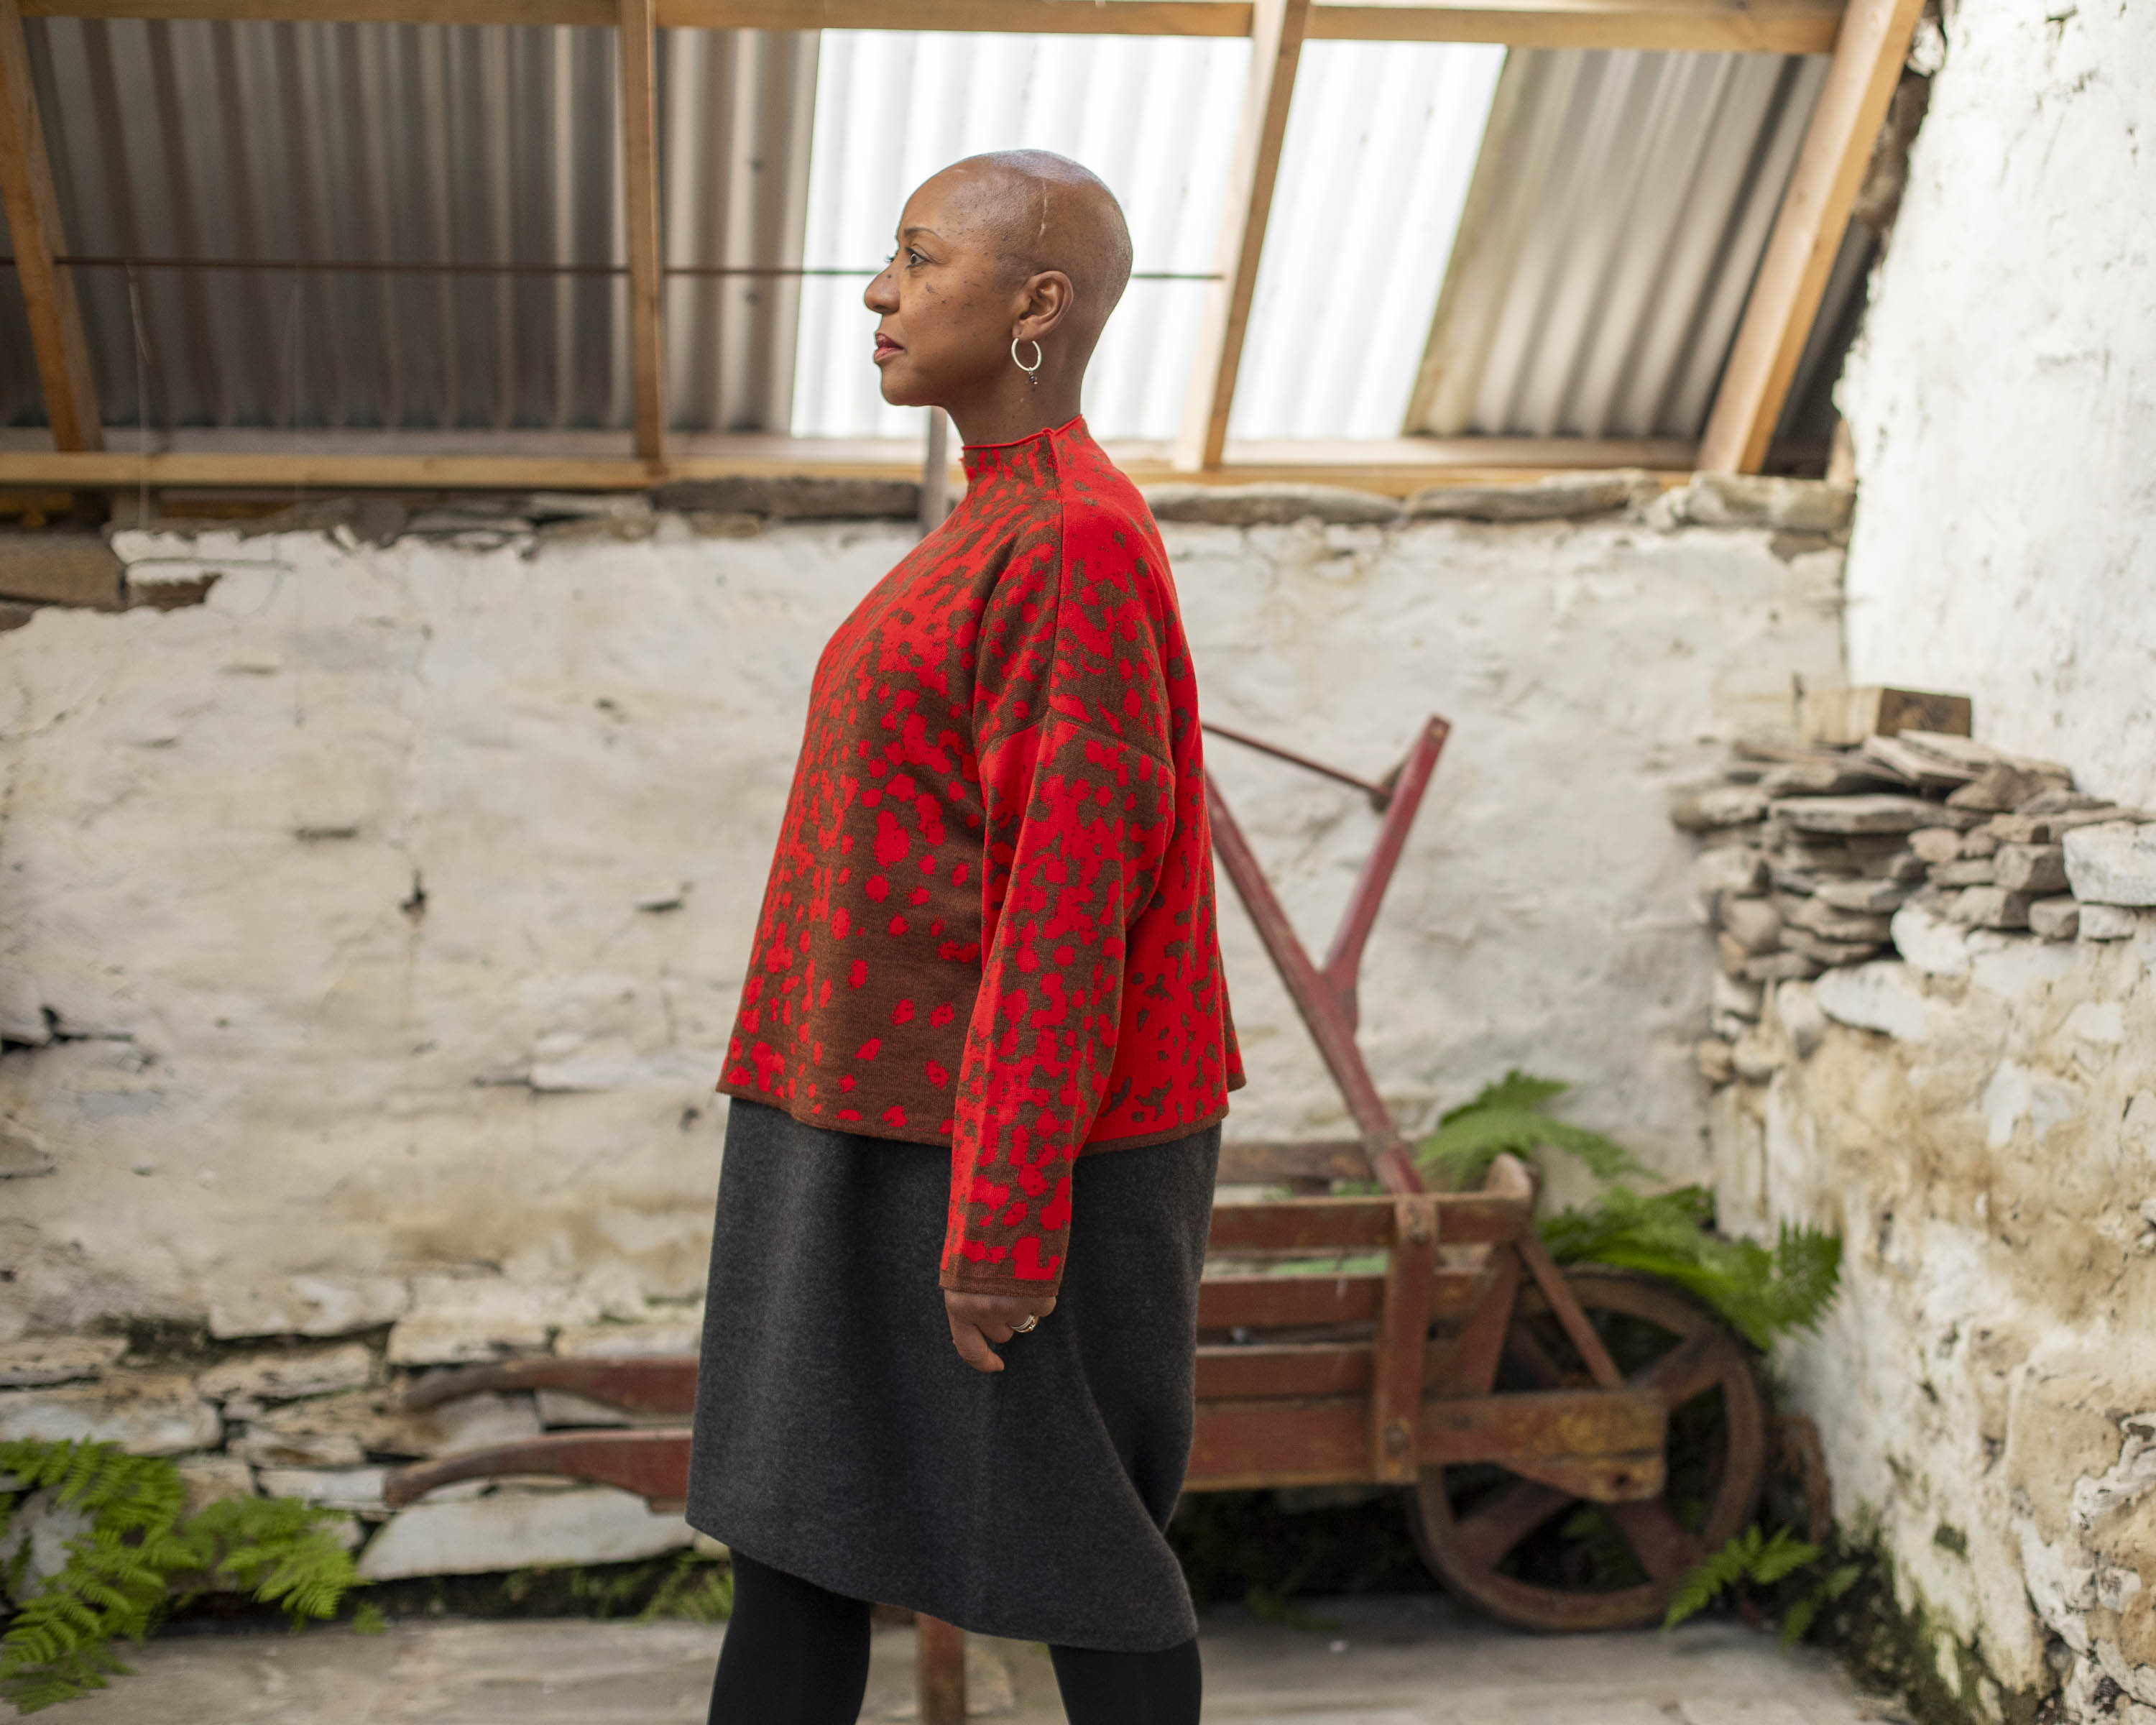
(898, 390)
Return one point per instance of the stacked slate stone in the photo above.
(1808, 852)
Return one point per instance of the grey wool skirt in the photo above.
(840, 1438)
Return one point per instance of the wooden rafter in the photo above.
(33, 231)
(1868, 56)
(529, 461)
(1276, 37)
(639, 167)
(1724, 26)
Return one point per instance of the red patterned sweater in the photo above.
(989, 920)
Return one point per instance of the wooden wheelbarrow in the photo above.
(1569, 1443)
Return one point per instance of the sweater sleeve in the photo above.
(1080, 803)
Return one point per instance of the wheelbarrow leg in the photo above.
(940, 1668)
(1326, 996)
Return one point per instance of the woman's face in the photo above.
(948, 305)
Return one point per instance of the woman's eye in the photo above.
(914, 257)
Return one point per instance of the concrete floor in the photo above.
(1405, 1662)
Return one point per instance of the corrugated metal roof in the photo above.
(1617, 218)
(1155, 117)
(1382, 139)
(1609, 210)
(437, 144)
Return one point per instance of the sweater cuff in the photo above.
(997, 1281)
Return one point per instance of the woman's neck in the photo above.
(1016, 408)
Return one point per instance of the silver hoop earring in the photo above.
(1031, 371)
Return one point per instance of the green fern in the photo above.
(1755, 1559)
(1765, 1294)
(1507, 1118)
(697, 1590)
(139, 1559)
(1751, 1557)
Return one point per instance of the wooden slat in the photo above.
(1239, 1445)
(1080, 18)
(1276, 35)
(655, 1383)
(653, 1465)
(1288, 1369)
(1714, 26)
(1351, 1224)
(33, 232)
(1261, 1301)
(1763, 26)
(1273, 1302)
(1868, 55)
(1303, 1225)
(546, 462)
(1260, 1161)
(640, 156)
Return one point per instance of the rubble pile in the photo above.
(1814, 857)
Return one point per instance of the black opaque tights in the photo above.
(796, 1654)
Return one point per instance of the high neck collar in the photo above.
(1021, 455)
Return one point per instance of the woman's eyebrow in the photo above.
(907, 232)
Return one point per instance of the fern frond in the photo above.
(1763, 1294)
(119, 1579)
(1515, 1090)
(1505, 1118)
(1711, 1577)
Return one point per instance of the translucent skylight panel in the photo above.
(1155, 117)
(1382, 141)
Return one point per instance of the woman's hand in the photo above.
(978, 1319)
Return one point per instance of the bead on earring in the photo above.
(1031, 371)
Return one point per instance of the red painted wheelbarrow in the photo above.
(1568, 1443)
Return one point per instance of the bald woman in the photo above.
(983, 1049)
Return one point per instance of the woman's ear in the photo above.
(1048, 298)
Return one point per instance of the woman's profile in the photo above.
(984, 1046)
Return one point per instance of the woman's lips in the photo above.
(885, 348)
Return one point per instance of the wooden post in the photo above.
(1277, 28)
(639, 134)
(940, 1670)
(1868, 54)
(1402, 1343)
(34, 229)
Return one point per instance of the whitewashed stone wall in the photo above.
(1979, 1120)
(370, 932)
(1986, 1389)
(2003, 395)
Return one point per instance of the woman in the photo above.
(986, 953)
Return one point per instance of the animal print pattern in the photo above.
(990, 916)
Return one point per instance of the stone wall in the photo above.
(372, 927)
(2000, 396)
(1980, 1115)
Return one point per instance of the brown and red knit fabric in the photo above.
(990, 920)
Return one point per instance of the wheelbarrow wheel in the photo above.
(1534, 1556)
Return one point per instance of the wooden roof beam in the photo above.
(647, 287)
(1277, 28)
(33, 230)
(550, 462)
(1868, 56)
(1722, 26)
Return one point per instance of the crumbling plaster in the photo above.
(372, 929)
(1990, 1142)
(1982, 1131)
(2002, 397)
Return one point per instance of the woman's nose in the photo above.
(879, 295)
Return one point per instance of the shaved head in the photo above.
(1050, 212)
(996, 259)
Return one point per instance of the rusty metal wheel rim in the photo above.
(1465, 1554)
